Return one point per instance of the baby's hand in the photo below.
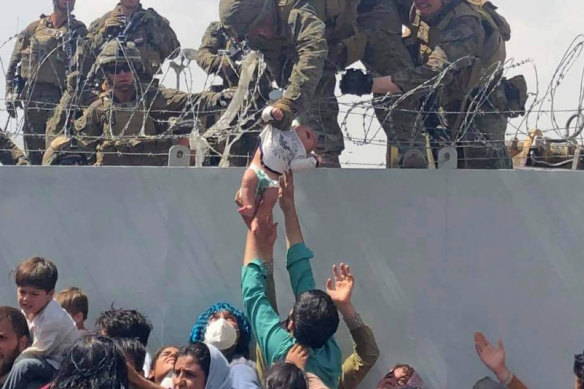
(277, 114)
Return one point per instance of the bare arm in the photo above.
(288, 206)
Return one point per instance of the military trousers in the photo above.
(39, 103)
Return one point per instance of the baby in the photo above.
(279, 152)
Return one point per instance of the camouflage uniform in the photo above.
(458, 31)
(151, 33)
(130, 133)
(10, 154)
(40, 52)
(295, 56)
(212, 61)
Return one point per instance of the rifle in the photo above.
(70, 62)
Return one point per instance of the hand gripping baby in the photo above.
(279, 152)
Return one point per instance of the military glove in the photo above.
(225, 97)
(287, 107)
(22, 161)
(356, 82)
(12, 104)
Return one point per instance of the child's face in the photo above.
(308, 137)
(33, 300)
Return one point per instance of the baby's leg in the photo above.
(246, 196)
(264, 213)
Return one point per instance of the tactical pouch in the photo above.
(44, 61)
(516, 93)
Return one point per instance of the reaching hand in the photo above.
(340, 291)
(298, 355)
(277, 114)
(356, 82)
(492, 357)
(286, 195)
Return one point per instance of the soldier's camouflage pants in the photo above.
(39, 105)
(385, 54)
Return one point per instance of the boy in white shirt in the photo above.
(280, 152)
(50, 326)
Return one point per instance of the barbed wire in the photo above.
(241, 117)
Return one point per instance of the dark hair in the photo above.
(242, 347)
(124, 323)
(92, 362)
(17, 320)
(315, 318)
(74, 301)
(37, 272)
(579, 368)
(133, 349)
(158, 353)
(285, 375)
(200, 353)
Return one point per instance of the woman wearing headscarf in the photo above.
(201, 366)
(226, 328)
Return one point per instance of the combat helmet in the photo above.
(239, 16)
(118, 52)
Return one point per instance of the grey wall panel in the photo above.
(437, 254)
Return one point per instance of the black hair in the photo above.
(284, 375)
(579, 368)
(124, 323)
(200, 353)
(315, 318)
(92, 362)
(17, 320)
(133, 349)
(37, 272)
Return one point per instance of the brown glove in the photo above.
(289, 108)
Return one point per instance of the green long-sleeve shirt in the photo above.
(275, 341)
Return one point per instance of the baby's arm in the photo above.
(301, 164)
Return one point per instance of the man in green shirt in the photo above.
(314, 319)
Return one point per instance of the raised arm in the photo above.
(365, 350)
(288, 206)
(273, 340)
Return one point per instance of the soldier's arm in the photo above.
(88, 128)
(166, 40)
(308, 32)
(208, 57)
(10, 154)
(462, 39)
(22, 42)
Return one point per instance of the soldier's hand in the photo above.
(356, 82)
(22, 161)
(225, 97)
(287, 115)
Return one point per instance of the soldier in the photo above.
(473, 36)
(10, 154)
(35, 78)
(129, 21)
(214, 55)
(291, 36)
(127, 125)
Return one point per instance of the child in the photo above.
(51, 327)
(279, 152)
(75, 302)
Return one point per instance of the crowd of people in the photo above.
(46, 344)
(435, 67)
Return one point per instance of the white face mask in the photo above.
(167, 381)
(221, 334)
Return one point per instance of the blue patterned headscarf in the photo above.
(198, 331)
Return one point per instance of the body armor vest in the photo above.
(45, 59)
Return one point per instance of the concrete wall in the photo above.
(437, 254)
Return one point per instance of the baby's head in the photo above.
(308, 137)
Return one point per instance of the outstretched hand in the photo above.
(493, 357)
(341, 288)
